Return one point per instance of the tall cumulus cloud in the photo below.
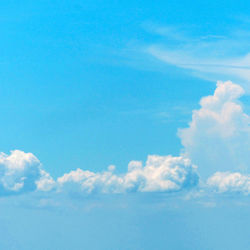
(218, 136)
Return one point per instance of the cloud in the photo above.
(210, 57)
(217, 140)
(160, 174)
(45, 182)
(19, 172)
(218, 137)
(227, 182)
(22, 172)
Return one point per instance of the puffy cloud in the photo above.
(19, 172)
(45, 182)
(227, 182)
(218, 137)
(88, 182)
(22, 172)
(160, 174)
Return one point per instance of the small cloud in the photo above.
(45, 182)
(227, 182)
(19, 172)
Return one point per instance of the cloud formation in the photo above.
(217, 140)
(210, 57)
(20, 172)
(226, 182)
(218, 137)
(160, 174)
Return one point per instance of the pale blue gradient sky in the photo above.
(81, 87)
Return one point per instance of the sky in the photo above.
(124, 125)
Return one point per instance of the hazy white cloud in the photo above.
(218, 137)
(160, 174)
(211, 57)
(227, 182)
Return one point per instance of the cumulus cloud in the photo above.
(218, 137)
(45, 182)
(227, 182)
(160, 174)
(22, 172)
(19, 172)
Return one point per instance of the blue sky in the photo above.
(125, 125)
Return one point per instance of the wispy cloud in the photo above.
(211, 57)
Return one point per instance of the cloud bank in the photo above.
(160, 174)
(22, 172)
(217, 141)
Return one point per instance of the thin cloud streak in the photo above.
(211, 57)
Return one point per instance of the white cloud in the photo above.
(227, 182)
(211, 57)
(88, 182)
(22, 172)
(218, 137)
(46, 182)
(19, 172)
(160, 174)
